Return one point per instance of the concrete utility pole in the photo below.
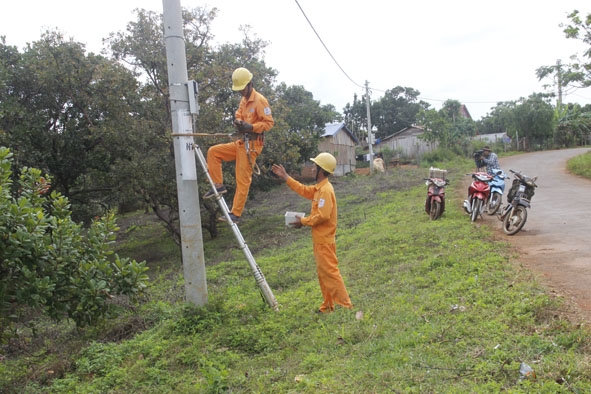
(369, 134)
(184, 157)
(559, 83)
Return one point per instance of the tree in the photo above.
(142, 48)
(108, 139)
(571, 120)
(573, 126)
(562, 77)
(566, 78)
(447, 127)
(297, 115)
(437, 127)
(63, 111)
(534, 118)
(396, 110)
(150, 163)
(580, 29)
(531, 120)
(49, 263)
(356, 117)
(499, 120)
(300, 120)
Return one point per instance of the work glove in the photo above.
(242, 126)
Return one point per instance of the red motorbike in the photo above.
(478, 194)
(435, 203)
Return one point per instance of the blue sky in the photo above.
(474, 52)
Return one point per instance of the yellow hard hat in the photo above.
(326, 161)
(240, 78)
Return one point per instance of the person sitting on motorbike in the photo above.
(489, 159)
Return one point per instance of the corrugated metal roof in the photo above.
(331, 129)
(413, 130)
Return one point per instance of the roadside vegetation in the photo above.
(580, 165)
(440, 307)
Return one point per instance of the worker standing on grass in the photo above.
(253, 118)
(323, 220)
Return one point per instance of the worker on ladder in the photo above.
(253, 118)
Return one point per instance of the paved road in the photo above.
(556, 240)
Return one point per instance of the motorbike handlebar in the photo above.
(437, 182)
(530, 181)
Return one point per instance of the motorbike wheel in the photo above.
(504, 212)
(494, 203)
(476, 208)
(435, 212)
(515, 220)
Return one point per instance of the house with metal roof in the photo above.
(407, 143)
(339, 141)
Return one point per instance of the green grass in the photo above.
(446, 309)
(580, 165)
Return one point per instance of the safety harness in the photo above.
(247, 137)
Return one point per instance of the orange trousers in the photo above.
(332, 285)
(234, 151)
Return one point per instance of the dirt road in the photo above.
(556, 240)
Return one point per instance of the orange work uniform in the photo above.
(256, 111)
(323, 220)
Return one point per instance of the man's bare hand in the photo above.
(280, 171)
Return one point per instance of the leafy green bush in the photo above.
(51, 264)
(439, 155)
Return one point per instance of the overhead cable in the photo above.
(325, 47)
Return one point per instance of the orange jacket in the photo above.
(256, 111)
(323, 216)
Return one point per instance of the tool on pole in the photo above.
(258, 274)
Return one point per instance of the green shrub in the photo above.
(51, 264)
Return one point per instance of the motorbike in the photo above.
(514, 215)
(497, 188)
(435, 203)
(478, 194)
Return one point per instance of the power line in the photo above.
(325, 47)
(337, 63)
(375, 89)
(577, 95)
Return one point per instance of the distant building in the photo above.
(339, 141)
(492, 138)
(464, 112)
(408, 143)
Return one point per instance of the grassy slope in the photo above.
(445, 309)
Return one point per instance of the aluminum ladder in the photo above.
(258, 274)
